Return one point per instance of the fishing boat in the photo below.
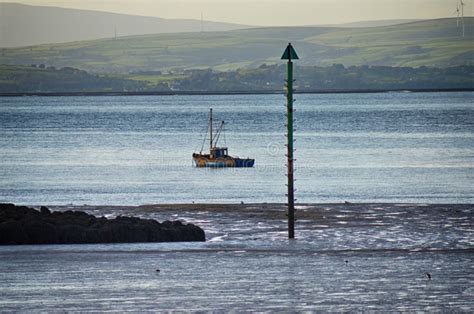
(218, 157)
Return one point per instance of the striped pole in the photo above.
(290, 54)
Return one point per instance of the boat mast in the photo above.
(210, 130)
(219, 131)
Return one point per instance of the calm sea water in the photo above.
(391, 147)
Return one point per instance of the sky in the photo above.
(271, 12)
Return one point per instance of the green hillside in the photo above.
(430, 43)
(50, 79)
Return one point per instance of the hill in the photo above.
(375, 23)
(40, 79)
(378, 23)
(25, 25)
(435, 43)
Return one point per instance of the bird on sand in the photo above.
(428, 275)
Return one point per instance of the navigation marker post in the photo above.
(290, 54)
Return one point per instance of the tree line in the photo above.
(264, 78)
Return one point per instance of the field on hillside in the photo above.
(426, 43)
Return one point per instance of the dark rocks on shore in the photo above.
(23, 225)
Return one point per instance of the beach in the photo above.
(345, 257)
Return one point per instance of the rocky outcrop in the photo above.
(23, 225)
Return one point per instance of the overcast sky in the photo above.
(271, 12)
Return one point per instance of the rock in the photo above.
(12, 232)
(23, 225)
(45, 210)
(72, 234)
(40, 232)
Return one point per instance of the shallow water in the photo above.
(345, 258)
(225, 280)
(389, 147)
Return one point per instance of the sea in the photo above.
(385, 212)
(385, 147)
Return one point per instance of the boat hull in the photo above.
(201, 161)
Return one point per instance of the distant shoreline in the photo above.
(257, 92)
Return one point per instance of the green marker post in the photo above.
(290, 54)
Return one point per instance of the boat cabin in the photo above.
(218, 152)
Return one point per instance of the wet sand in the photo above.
(318, 226)
(329, 215)
(275, 210)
